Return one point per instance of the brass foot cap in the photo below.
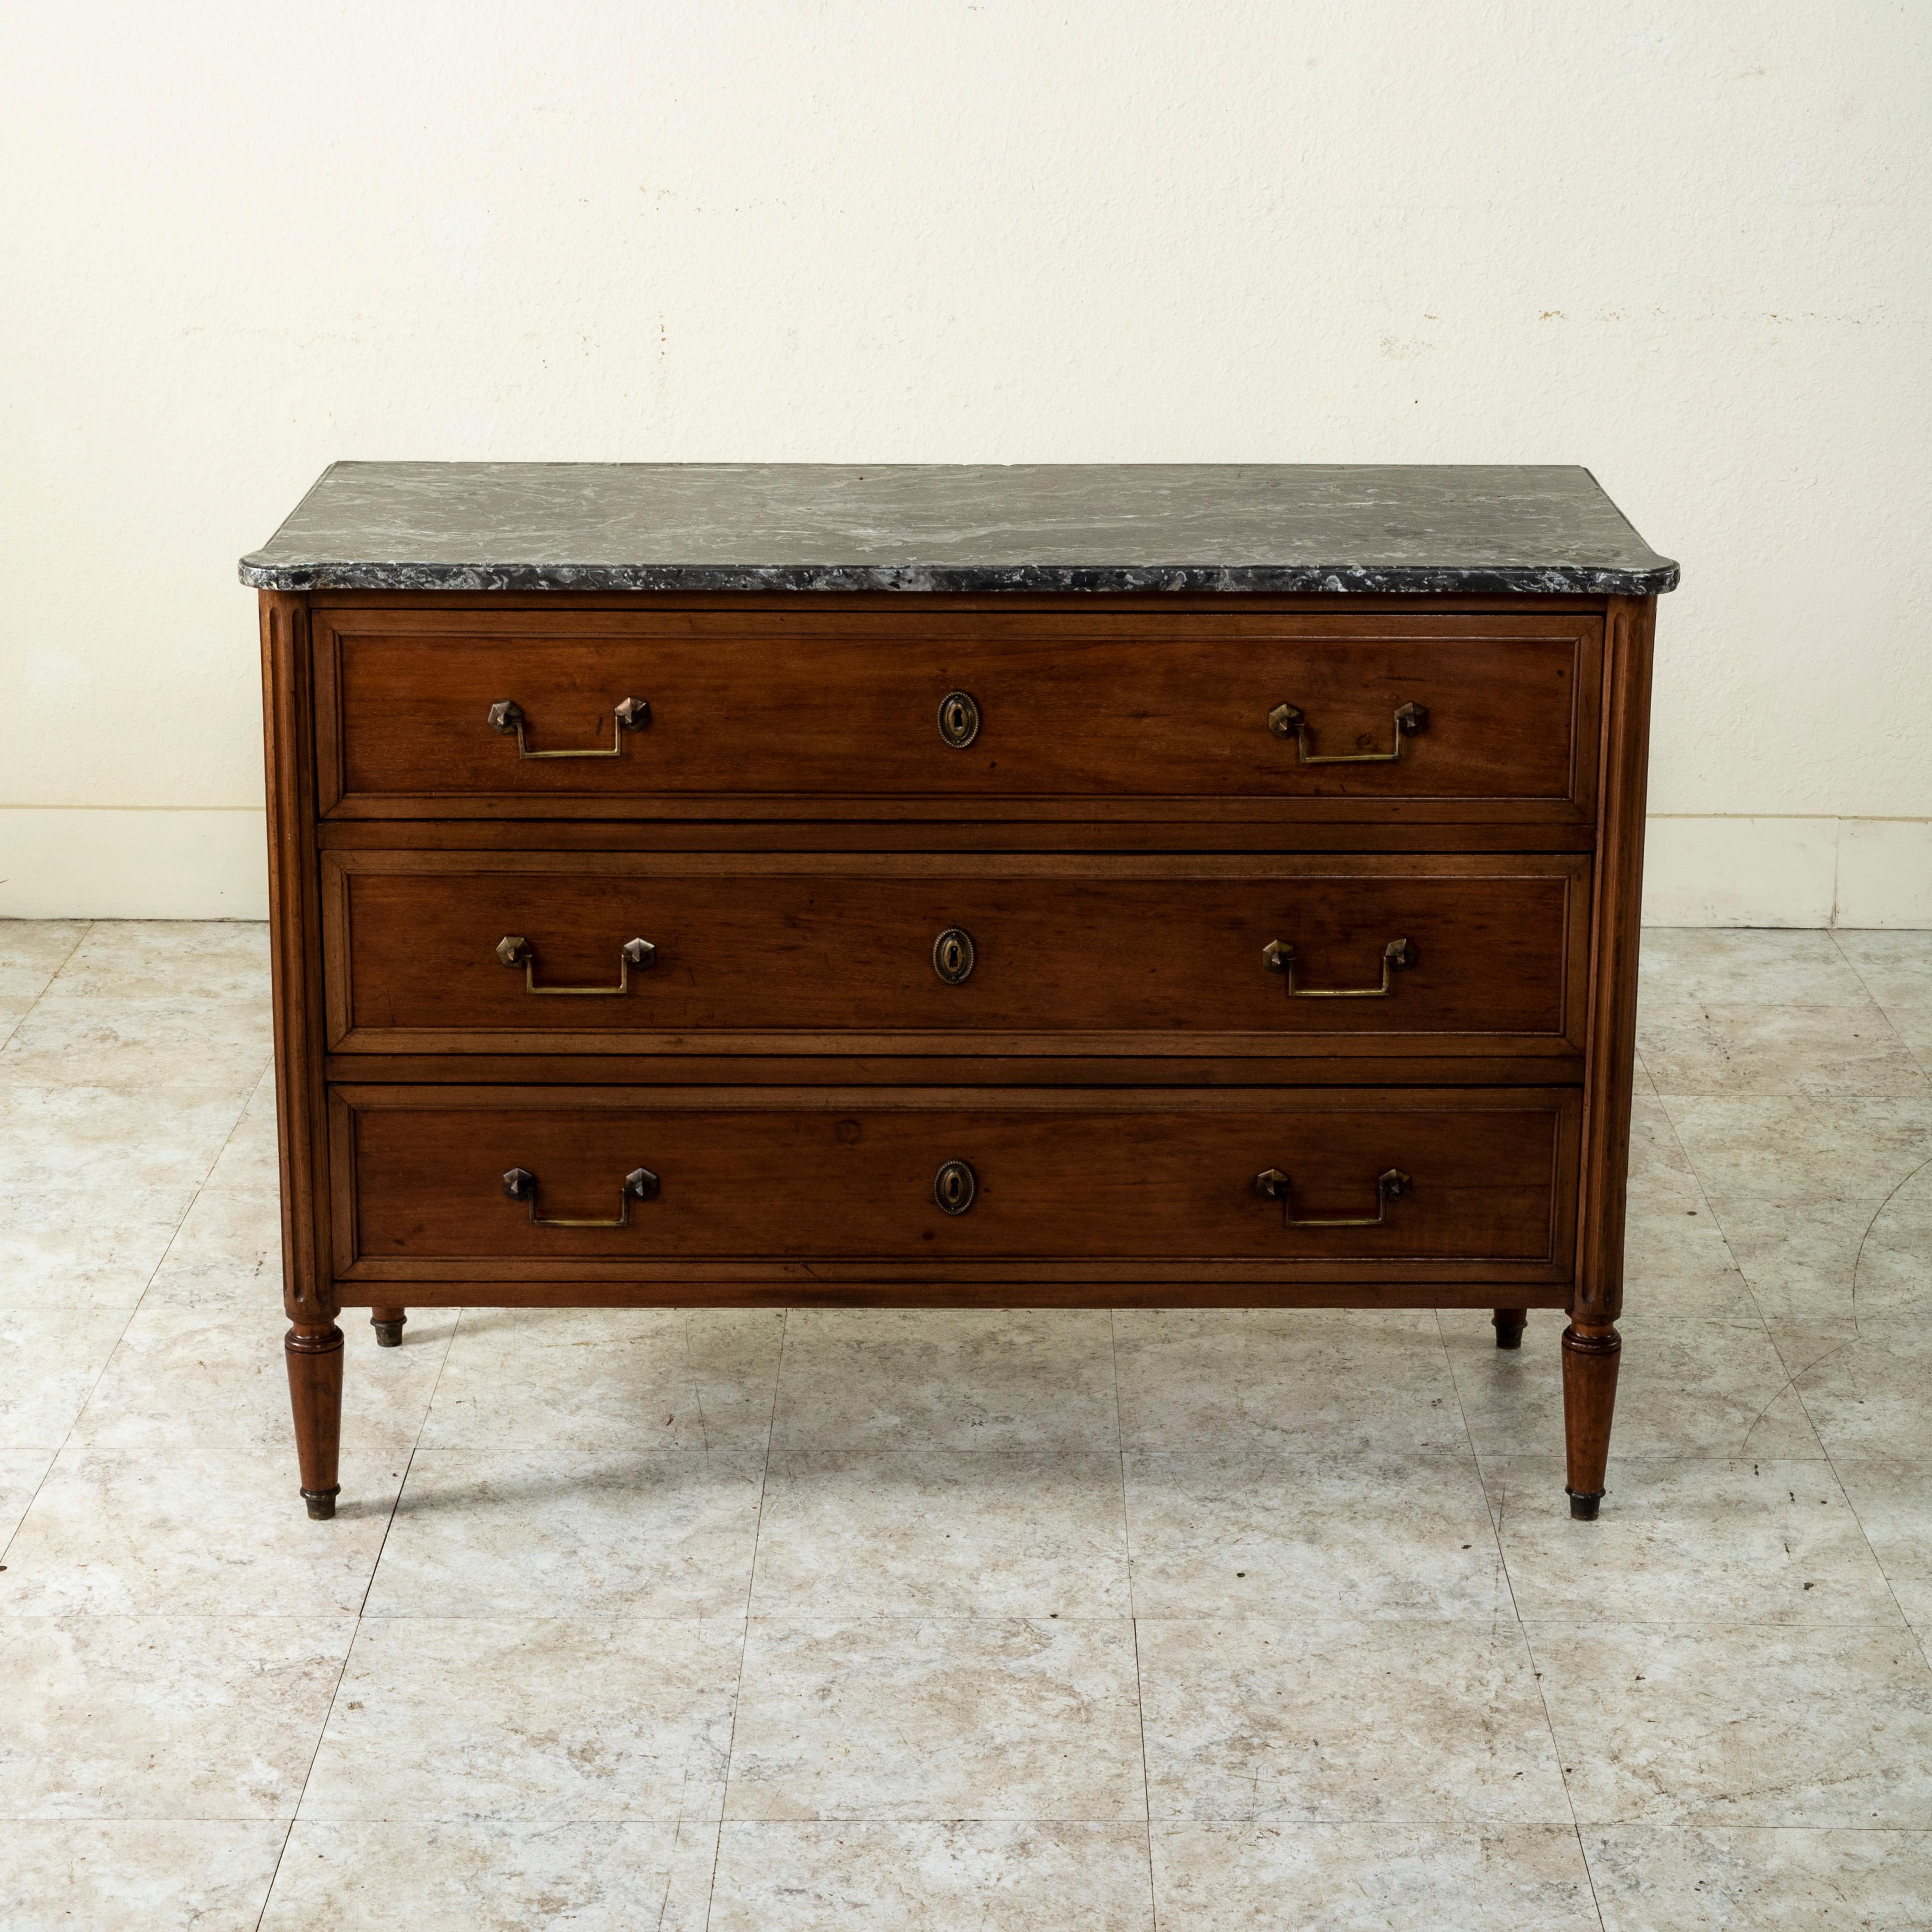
(1509, 1338)
(388, 1334)
(1583, 1504)
(321, 1503)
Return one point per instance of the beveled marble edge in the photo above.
(1554, 580)
(1084, 528)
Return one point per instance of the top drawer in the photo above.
(916, 711)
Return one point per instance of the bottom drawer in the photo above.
(1271, 1185)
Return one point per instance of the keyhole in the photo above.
(952, 955)
(954, 1187)
(958, 719)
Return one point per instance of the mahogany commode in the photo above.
(1170, 886)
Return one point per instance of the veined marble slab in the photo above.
(1161, 527)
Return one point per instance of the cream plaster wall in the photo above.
(1684, 244)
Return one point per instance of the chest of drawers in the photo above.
(699, 884)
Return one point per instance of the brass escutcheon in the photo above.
(953, 955)
(958, 719)
(954, 1187)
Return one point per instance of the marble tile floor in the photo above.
(766, 1621)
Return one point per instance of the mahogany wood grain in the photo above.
(799, 1285)
(1086, 1182)
(816, 954)
(1590, 1355)
(1176, 832)
(314, 1355)
(1592, 1346)
(295, 959)
(1616, 931)
(1343, 1063)
(791, 800)
(797, 712)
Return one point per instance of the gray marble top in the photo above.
(956, 527)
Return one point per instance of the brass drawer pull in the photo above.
(953, 955)
(514, 950)
(640, 1184)
(1286, 721)
(633, 714)
(954, 1187)
(1397, 956)
(1271, 1184)
(958, 719)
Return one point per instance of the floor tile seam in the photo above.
(66, 960)
(1853, 1336)
(127, 1322)
(745, 1623)
(1868, 1831)
(1127, 1557)
(1554, 1623)
(1509, 1583)
(1837, 945)
(1704, 1201)
(1589, 1876)
(1858, 1259)
(269, 1891)
(341, 1674)
(409, 1464)
(1470, 1623)
(1892, 1589)
(1120, 1454)
(1475, 1458)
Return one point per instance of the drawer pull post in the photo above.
(633, 714)
(1286, 721)
(1271, 1184)
(958, 718)
(1397, 956)
(954, 1187)
(953, 955)
(640, 1184)
(514, 950)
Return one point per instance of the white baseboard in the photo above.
(69, 863)
(1848, 872)
(63, 862)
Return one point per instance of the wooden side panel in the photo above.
(1617, 925)
(294, 927)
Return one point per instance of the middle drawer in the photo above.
(525, 952)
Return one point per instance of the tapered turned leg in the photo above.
(1509, 1324)
(315, 1391)
(387, 1323)
(1590, 1353)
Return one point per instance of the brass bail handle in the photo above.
(514, 950)
(1271, 1184)
(640, 1184)
(1286, 721)
(1398, 956)
(633, 714)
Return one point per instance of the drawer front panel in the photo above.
(791, 953)
(748, 714)
(746, 1178)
